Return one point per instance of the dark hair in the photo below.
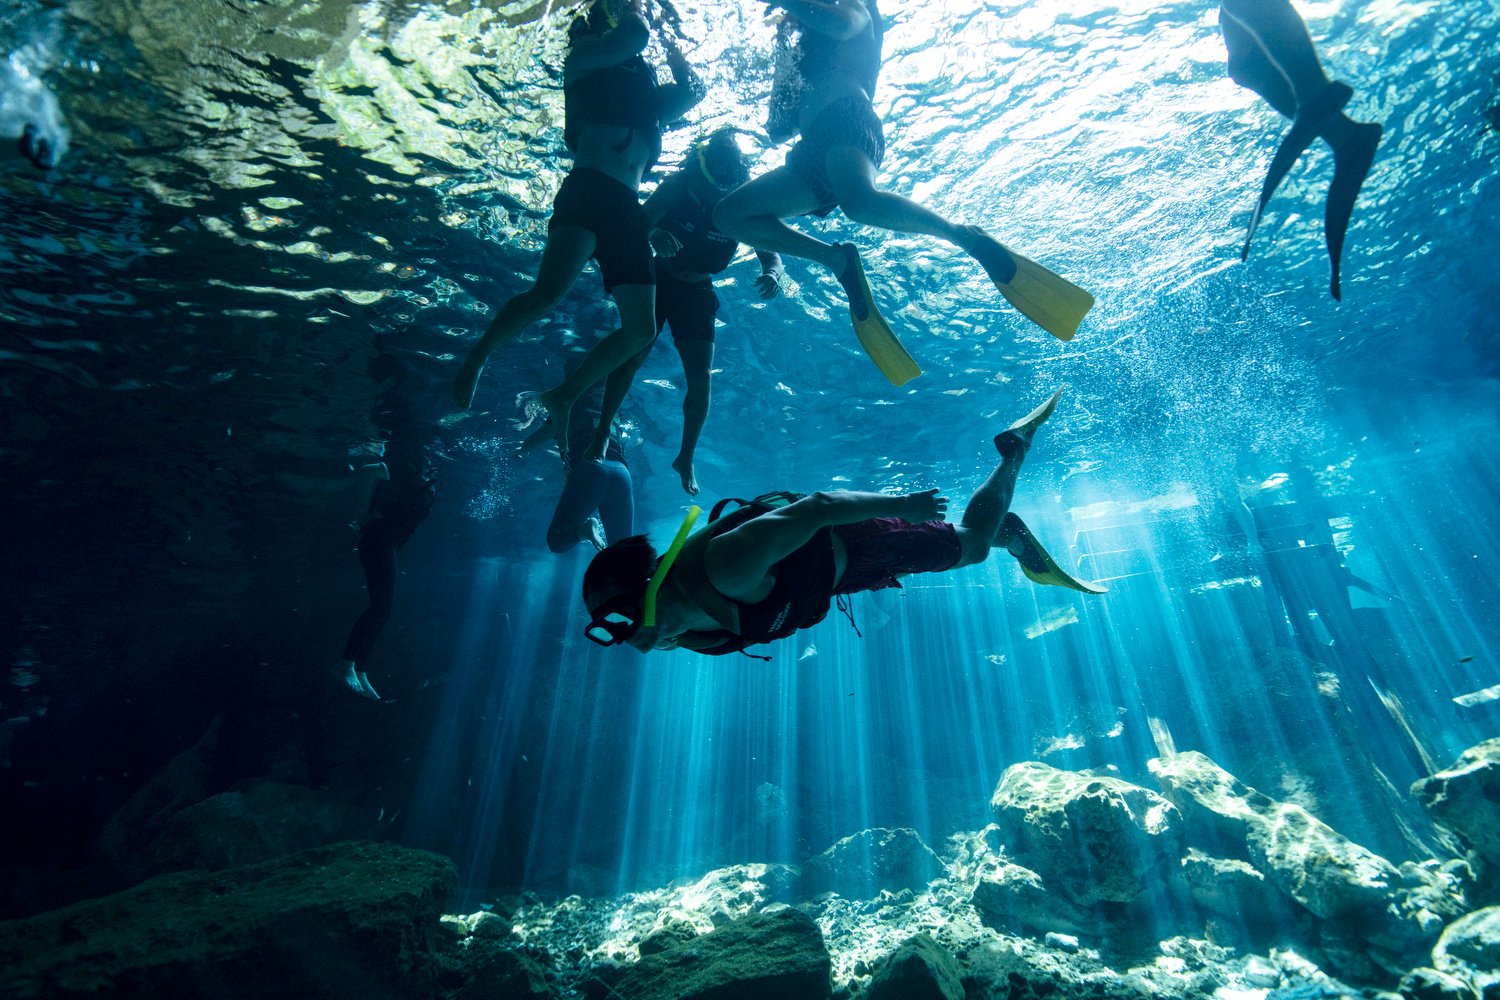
(624, 567)
(724, 158)
(593, 21)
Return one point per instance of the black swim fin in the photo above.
(1309, 122)
(1352, 156)
(1037, 563)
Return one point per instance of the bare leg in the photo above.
(697, 360)
(616, 387)
(568, 249)
(637, 304)
(852, 174)
(753, 212)
(980, 528)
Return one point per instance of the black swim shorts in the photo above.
(883, 548)
(848, 122)
(597, 202)
(687, 307)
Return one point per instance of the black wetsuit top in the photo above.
(705, 250)
(626, 94)
(798, 599)
(858, 56)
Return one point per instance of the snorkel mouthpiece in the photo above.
(648, 606)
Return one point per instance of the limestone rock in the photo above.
(1096, 839)
(1013, 900)
(1430, 984)
(345, 920)
(1328, 874)
(1469, 949)
(1466, 797)
(1234, 889)
(775, 954)
(921, 969)
(258, 822)
(862, 864)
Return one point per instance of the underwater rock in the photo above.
(862, 864)
(258, 822)
(1430, 984)
(1469, 950)
(1465, 797)
(1357, 893)
(183, 781)
(353, 919)
(1023, 970)
(921, 969)
(1096, 839)
(1013, 900)
(776, 953)
(1235, 890)
(489, 973)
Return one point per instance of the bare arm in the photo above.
(686, 88)
(839, 19)
(627, 38)
(739, 560)
(771, 273)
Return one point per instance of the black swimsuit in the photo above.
(624, 95)
(689, 307)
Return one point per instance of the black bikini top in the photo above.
(626, 95)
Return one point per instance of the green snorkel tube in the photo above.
(648, 606)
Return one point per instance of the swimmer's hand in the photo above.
(664, 244)
(769, 283)
(927, 505)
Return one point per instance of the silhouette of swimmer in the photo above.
(404, 490)
(597, 503)
(36, 147)
(1271, 53)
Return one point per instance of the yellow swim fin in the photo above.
(1049, 300)
(1038, 564)
(874, 333)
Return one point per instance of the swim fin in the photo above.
(1049, 300)
(1353, 153)
(1309, 122)
(874, 333)
(1018, 435)
(1037, 563)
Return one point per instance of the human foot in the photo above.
(851, 275)
(357, 680)
(546, 407)
(998, 263)
(684, 468)
(1018, 435)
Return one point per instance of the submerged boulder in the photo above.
(864, 863)
(1469, 950)
(1357, 893)
(1465, 797)
(345, 920)
(921, 969)
(776, 953)
(1013, 900)
(1097, 839)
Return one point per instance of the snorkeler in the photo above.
(597, 502)
(690, 250)
(615, 112)
(767, 570)
(1271, 53)
(402, 499)
(823, 90)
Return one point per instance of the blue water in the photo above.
(254, 202)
